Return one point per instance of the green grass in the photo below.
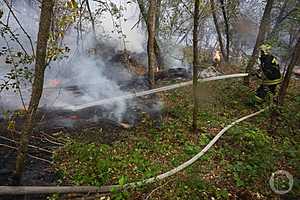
(240, 163)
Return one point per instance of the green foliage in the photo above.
(252, 156)
(53, 197)
(241, 160)
(117, 195)
(90, 164)
(17, 57)
(123, 194)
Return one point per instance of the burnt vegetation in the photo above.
(119, 95)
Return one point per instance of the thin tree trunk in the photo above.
(151, 41)
(143, 11)
(37, 87)
(263, 28)
(281, 17)
(91, 18)
(157, 19)
(195, 64)
(213, 8)
(283, 89)
(287, 77)
(236, 40)
(159, 58)
(226, 30)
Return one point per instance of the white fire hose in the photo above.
(147, 92)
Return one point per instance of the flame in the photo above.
(54, 82)
(74, 117)
(217, 56)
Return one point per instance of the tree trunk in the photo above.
(287, 77)
(281, 17)
(213, 8)
(235, 37)
(226, 30)
(151, 41)
(159, 58)
(91, 18)
(37, 87)
(157, 19)
(263, 28)
(195, 64)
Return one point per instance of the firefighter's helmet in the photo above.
(266, 48)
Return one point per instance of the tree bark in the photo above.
(157, 19)
(143, 11)
(159, 58)
(263, 28)
(152, 64)
(213, 8)
(37, 86)
(287, 77)
(235, 37)
(195, 64)
(226, 30)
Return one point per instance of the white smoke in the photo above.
(80, 70)
(135, 37)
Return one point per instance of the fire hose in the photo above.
(23, 190)
(148, 92)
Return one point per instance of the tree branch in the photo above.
(29, 155)
(18, 22)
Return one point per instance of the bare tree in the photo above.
(151, 41)
(285, 12)
(37, 87)
(263, 28)
(226, 29)
(195, 63)
(214, 14)
(287, 77)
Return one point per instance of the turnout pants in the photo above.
(265, 91)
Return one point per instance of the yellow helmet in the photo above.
(266, 48)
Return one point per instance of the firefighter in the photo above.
(271, 76)
(217, 59)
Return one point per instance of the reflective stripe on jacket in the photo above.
(272, 82)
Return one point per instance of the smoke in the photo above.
(174, 56)
(134, 36)
(81, 78)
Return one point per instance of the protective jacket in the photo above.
(270, 69)
(271, 77)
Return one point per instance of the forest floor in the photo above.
(239, 166)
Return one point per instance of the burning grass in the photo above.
(239, 166)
